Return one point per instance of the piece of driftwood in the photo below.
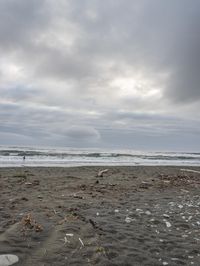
(81, 242)
(190, 170)
(101, 172)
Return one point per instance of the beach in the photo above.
(137, 215)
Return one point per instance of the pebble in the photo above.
(28, 183)
(128, 220)
(165, 263)
(174, 259)
(165, 215)
(139, 210)
(8, 259)
(69, 234)
(168, 224)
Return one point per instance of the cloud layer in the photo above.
(100, 73)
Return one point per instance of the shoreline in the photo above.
(99, 165)
(148, 215)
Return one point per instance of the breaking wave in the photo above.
(13, 156)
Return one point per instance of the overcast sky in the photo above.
(100, 73)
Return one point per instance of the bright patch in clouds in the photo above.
(134, 87)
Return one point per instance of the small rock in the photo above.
(180, 206)
(69, 234)
(28, 184)
(139, 210)
(128, 220)
(165, 215)
(168, 224)
(174, 259)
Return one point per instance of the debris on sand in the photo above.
(128, 220)
(66, 239)
(145, 185)
(28, 183)
(178, 181)
(93, 223)
(101, 172)
(34, 183)
(69, 234)
(77, 196)
(81, 242)
(168, 224)
(190, 170)
(165, 263)
(8, 259)
(100, 250)
(165, 215)
(29, 223)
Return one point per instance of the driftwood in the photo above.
(101, 172)
(190, 170)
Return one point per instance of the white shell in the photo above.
(8, 259)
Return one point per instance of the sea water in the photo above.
(11, 156)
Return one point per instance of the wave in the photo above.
(152, 156)
(13, 156)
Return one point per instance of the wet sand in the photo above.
(130, 216)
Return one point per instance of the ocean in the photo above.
(12, 156)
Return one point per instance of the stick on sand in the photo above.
(190, 170)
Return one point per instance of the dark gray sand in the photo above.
(130, 216)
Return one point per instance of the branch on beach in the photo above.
(190, 170)
(101, 172)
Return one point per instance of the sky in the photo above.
(100, 73)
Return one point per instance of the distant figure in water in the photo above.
(24, 158)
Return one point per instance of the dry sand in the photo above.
(130, 216)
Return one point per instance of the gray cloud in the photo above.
(19, 22)
(79, 133)
(78, 70)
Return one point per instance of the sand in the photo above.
(130, 216)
